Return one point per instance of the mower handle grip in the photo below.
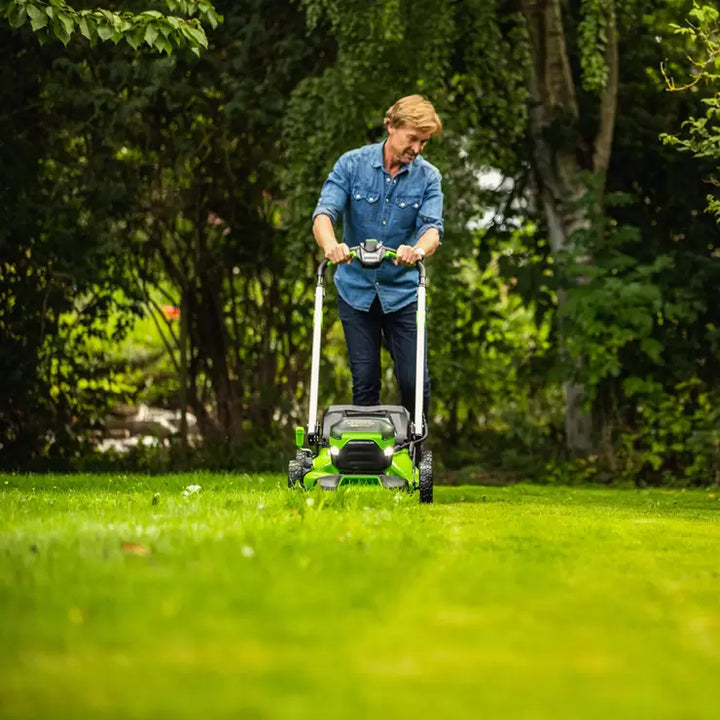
(355, 253)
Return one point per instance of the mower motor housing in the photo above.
(362, 446)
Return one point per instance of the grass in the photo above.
(123, 597)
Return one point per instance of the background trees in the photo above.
(576, 256)
(60, 245)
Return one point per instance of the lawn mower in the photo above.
(377, 445)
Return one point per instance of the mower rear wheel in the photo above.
(296, 472)
(426, 477)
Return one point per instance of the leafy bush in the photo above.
(677, 439)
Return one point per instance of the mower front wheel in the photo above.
(296, 472)
(425, 483)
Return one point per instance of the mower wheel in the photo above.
(296, 472)
(304, 457)
(426, 477)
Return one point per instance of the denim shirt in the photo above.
(373, 205)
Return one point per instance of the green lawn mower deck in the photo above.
(364, 446)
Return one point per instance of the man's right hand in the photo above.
(338, 254)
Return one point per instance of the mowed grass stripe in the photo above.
(126, 597)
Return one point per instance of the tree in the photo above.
(60, 275)
(644, 323)
(566, 146)
(209, 217)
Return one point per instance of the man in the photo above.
(386, 192)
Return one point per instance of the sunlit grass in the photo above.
(131, 597)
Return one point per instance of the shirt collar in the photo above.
(378, 159)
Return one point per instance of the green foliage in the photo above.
(160, 173)
(469, 61)
(610, 310)
(678, 436)
(56, 281)
(596, 24)
(672, 440)
(135, 180)
(488, 341)
(57, 20)
(701, 135)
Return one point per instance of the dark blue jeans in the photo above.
(363, 335)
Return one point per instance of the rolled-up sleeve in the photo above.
(335, 192)
(430, 214)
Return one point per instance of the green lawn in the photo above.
(120, 597)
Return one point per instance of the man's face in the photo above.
(406, 143)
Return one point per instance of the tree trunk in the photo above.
(559, 150)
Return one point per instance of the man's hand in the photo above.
(338, 253)
(408, 255)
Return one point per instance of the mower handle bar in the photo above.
(357, 252)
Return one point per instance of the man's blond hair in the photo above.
(414, 111)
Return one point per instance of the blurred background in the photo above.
(158, 172)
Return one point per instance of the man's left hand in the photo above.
(407, 255)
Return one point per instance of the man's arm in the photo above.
(429, 226)
(333, 197)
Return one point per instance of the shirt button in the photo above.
(402, 204)
(416, 205)
(387, 199)
(387, 179)
(357, 197)
(384, 222)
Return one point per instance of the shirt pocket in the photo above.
(406, 210)
(365, 194)
(365, 206)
